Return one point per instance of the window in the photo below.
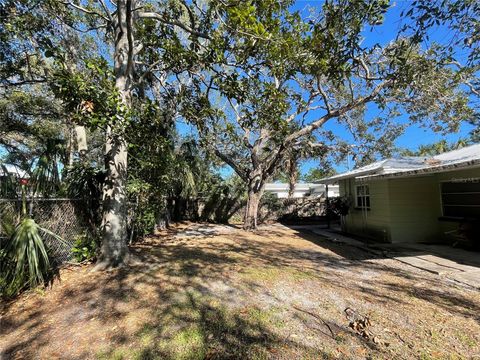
(461, 198)
(363, 197)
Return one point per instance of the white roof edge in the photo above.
(468, 156)
(425, 170)
(364, 170)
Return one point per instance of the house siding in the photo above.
(373, 223)
(402, 209)
(415, 208)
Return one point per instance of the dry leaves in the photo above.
(361, 325)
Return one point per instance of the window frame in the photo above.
(458, 192)
(364, 197)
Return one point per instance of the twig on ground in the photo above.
(318, 318)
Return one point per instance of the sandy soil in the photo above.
(215, 292)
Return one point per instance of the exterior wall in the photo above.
(402, 209)
(445, 226)
(373, 223)
(415, 207)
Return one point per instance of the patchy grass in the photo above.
(270, 274)
(275, 294)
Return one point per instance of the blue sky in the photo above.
(414, 136)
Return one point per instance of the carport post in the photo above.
(327, 207)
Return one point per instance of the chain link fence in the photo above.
(63, 217)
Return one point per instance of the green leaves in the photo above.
(26, 261)
(89, 95)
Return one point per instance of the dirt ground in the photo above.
(216, 292)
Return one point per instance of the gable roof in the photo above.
(415, 165)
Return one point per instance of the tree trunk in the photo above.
(114, 250)
(255, 192)
(292, 176)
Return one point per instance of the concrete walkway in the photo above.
(459, 265)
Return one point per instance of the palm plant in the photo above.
(45, 175)
(25, 261)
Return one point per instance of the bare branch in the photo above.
(105, 8)
(164, 20)
(336, 113)
(238, 118)
(324, 96)
(231, 162)
(22, 82)
(86, 11)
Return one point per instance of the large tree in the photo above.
(132, 38)
(287, 78)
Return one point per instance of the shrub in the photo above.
(85, 248)
(339, 206)
(24, 260)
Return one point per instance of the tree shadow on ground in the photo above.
(421, 284)
(200, 298)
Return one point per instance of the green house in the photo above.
(414, 199)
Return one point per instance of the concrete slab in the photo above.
(447, 263)
(329, 234)
(426, 265)
(470, 278)
(459, 265)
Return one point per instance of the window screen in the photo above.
(461, 199)
(363, 197)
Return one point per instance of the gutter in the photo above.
(472, 164)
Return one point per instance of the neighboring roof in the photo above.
(411, 165)
(12, 170)
(298, 186)
(285, 187)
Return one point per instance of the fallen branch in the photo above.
(318, 318)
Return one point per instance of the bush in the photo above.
(339, 206)
(145, 220)
(85, 248)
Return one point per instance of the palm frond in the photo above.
(26, 257)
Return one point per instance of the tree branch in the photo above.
(162, 19)
(336, 113)
(86, 11)
(228, 160)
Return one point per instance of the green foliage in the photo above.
(461, 17)
(435, 148)
(145, 210)
(26, 262)
(316, 174)
(89, 94)
(145, 220)
(272, 203)
(339, 206)
(8, 184)
(223, 200)
(85, 248)
(84, 181)
(251, 75)
(46, 174)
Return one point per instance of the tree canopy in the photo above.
(106, 81)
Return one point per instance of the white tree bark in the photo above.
(114, 250)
